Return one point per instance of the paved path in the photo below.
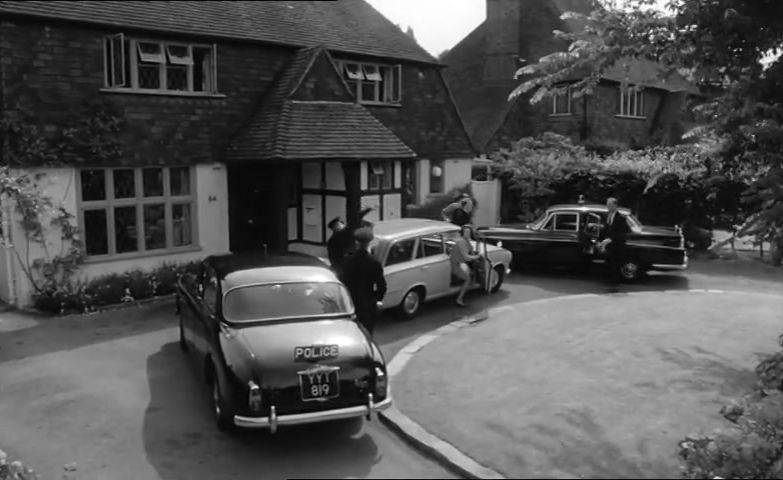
(596, 386)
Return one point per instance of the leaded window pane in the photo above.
(125, 229)
(154, 226)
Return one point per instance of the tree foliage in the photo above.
(727, 48)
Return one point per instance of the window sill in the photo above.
(631, 117)
(97, 259)
(560, 115)
(132, 91)
(381, 104)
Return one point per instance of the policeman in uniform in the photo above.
(339, 244)
(363, 275)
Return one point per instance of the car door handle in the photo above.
(425, 267)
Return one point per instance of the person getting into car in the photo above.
(460, 212)
(362, 273)
(461, 256)
(612, 240)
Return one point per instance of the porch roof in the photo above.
(318, 130)
(288, 129)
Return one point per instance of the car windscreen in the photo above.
(254, 303)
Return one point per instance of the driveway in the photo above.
(113, 393)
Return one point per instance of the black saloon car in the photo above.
(276, 339)
(567, 234)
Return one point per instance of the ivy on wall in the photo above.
(90, 135)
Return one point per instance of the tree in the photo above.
(728, 48)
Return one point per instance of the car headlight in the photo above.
(381, 383)
(254, 396)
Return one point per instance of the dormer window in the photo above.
(150, 66)
(372, 83)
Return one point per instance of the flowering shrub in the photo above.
(14, 470)
(88, 296)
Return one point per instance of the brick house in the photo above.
(245, 123)
(481, 71)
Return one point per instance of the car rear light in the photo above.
(381, 383)
(254, 396)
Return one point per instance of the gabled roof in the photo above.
(334, 127)
(485, 106)
(351, 26)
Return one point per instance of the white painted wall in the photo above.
(373, 201)
(392, 206)
(335, 178)
(311, 218)
(456, 173)
(60, 185)
(487, 195)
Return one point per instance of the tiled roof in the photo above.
(288, 129)
(352, 26)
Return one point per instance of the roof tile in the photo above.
(351, 26)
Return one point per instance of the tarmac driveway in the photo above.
(114, 393)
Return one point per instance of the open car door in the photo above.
(485, 265)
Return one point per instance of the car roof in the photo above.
(257, 267)
(390, 230)
(586, 207)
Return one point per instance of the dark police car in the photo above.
(275, 338)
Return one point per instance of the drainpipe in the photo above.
(5, 210)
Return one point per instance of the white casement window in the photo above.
(380, 175)
(154, 66)
(136, 211)
(561, 103)
(373, 83)
(631, 103)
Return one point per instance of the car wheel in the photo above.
(183, 344)
(224, 418)
(411, 303)
(496, 278)
(630, 270)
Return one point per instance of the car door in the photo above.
(590, 224)
(433, 263)
(188, 305)
(398, 271)
(208, 318)
(562, 238)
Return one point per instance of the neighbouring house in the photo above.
(481, 71)
(245, 124)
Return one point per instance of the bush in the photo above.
(111, 289)
(15, 470)
(752, 447)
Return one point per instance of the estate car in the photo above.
(276, 339)
(415, 252)
(567, 234)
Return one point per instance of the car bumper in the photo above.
(667, 267)
(273, 421)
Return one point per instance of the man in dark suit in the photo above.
(612, 239)
(363, 275)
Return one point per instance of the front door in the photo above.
(258, 202)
